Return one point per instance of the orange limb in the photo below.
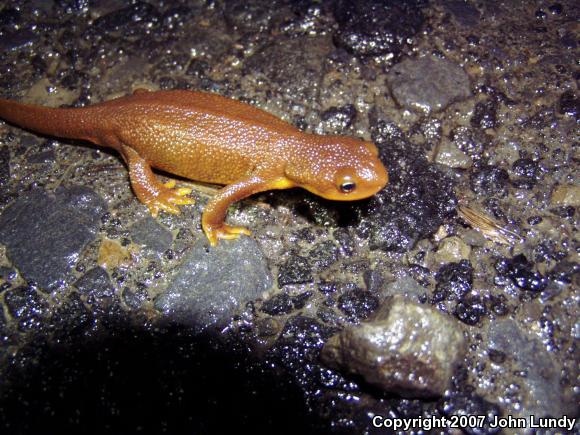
(149, 190)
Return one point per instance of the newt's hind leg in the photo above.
(149, 190)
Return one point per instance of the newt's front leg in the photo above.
(149, 190)
(214, 214)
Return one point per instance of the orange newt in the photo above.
(212, 139)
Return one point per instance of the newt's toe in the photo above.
(225, 232)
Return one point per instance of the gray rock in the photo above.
(44, 234)
(152, 235)
(449, 154)
(408, 349)
(463, 12)
(428, 83)
(96, 285)
(212, 283)
(4, 165)
(405, 286)
(540, 388)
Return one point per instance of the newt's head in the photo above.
(338, 168)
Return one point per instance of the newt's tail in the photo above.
(66, 123)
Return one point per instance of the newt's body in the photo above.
(209, 138)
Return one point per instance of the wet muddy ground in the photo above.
(454, 291)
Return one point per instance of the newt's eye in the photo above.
(347, 186)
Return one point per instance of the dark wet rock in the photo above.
(328, 287)
(564, 272)
(45, 234)
(521, 272)
(490, 181)
(210, 284)
(328, 316)
(464, 13)
(95, 285)
(10, 16)
(465, 404)
(373, 27)
(345, 241)
(374, 280)
(408, 209)
(288, 58)
(454, 280)
(570, 104)
(408, 349)
(198, 68)
(296, 270)
(428, 83)
(139, 15)
(15, 39)
(338, 119)
(299, 301)
(300, 343)
(71, 318)
(4, 165)
(249, 16)
(134, 299)
(496, 356)
(470, 310)
(7, 273)
(357, 304)
(324, 254)
(278, 304)
(471, 141)
(43, 157)
(540, 389)
(152, 235)
(528, 172)
(485, 114)
(27, 307)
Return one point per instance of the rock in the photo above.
(296, 270)
(566, 195)
(27, 307)
(4, 165)
(428, 83)
(489, 181)
(540, 389)
(278, 304)
(13, 40)
(570, 104)
(449, 155)
(407, 349)
(338, 119)
(357, 304)
(406, 287)
(95, 285)
(454, 281)
(464, 13)
(45, 234)
(452, 249)
(152, 235)
(290, 58)
(139, 15)
(485, 114)
(409, 208)
(521, 272)
(212, 283)
(373, 27)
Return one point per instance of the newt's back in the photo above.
(197, 135)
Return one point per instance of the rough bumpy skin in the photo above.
(209, 138)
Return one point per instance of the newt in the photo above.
(212, 139)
